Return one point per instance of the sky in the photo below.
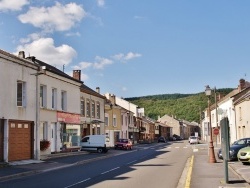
(133, 48)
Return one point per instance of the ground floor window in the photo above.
(71, 135)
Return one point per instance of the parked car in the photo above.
(123, 144)
(193, 140)
(234, 149)
(177, 137)
(99, 143)
(161, 139)
(244, 155)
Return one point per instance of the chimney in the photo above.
(21, 54)
(77, 74)
(98, 90)
(242, 84)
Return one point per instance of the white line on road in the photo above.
(78, 183)
(132, 162)
(177, 147)
(110, 170)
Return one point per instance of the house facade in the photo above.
(19, 118)
(177, 126)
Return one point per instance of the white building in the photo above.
(59, 99)
(18, 113)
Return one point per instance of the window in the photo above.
(85, 139)
(43, 128)
(88, 108)
(21, 93)
(63, 100)
(53, 102)
(106, 120)
(93, 109)
(42, 96)
(114, 120)
(98, 110)
(82, 107)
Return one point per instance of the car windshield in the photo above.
(192, 137)
(123, 141)
(240, 142)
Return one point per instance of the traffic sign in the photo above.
(216, 131)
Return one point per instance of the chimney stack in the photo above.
(98, 90)
(242, 84)
(21, 54)
(77, 74)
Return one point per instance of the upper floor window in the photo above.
(106, 120)
(63, 100)
(88, 108)
(54, 98)
(42, 96)
(93, 109)
(114, 121)
(98, 110)
(82, 107)
(21, 93)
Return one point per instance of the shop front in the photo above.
(70, 132)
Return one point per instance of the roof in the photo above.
(16, 58)
(53, 69)
(90, 91)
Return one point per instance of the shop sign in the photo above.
(68, 117)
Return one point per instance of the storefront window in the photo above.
(71, 135)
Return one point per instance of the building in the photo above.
(19, 108)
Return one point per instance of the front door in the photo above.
(53, 138)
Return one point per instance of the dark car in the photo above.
(123, 144)
(234, 148)
(161, 139)
(177, 137)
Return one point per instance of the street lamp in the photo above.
(211, 146)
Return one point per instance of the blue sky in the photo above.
(134, 48)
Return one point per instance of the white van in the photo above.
(99, 143)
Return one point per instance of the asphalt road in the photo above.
(154, 165)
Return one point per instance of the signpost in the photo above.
(216, 131)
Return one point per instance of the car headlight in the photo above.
(231, 152)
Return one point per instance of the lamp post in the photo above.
(211, 146)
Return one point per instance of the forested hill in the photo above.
(181, 106)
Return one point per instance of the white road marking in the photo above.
(132, 162)
(110, 170)
(78, 183)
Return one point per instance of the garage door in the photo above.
(20, 144)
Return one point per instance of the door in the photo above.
(53, 138)
(20, 140)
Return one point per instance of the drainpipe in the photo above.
(37, 119)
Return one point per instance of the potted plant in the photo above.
(44, 144)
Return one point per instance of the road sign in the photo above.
(216, 131)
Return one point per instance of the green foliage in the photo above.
(181, 106)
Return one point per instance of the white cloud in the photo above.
(31, 37)
(125, 57)
(131, 55)
(73, 34)
(13, 5)
(101, 62)
(100, 3)
(44, 50)
(82, 65)
(58, 17)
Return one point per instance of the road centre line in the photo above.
(78, 183)
(131, 162)
(110, 170)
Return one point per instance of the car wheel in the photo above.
(99, 150)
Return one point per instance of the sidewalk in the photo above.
(212, 175)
